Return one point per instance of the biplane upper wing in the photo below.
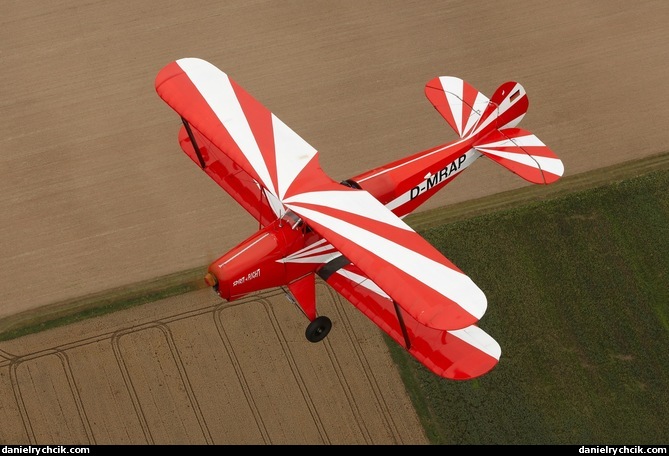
(458, 355)
(412, 272)
(244, 147)
(400, 261)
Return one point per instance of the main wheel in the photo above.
(318, 329)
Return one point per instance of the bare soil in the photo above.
(95, 194)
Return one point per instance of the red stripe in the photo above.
(469, 96)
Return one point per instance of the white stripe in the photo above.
(480, 105)
(487, 121)
(313, 251)
(444, 280)
(274, 203)
(313, 248)
(292, 154)
(220, 265)
(400, 200)
(527, 140)
(309, 254)
(453, 89)
(363, 281)
(316, 259)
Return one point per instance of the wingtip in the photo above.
(469, 308)
(464, 354)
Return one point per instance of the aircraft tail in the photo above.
(470, 114)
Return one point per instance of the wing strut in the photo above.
(194, 143)
(398, 311)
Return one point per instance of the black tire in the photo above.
(318, 329)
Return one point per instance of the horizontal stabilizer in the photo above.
(523, 153)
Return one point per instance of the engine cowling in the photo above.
(257, 263)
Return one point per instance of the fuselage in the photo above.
(404, 185)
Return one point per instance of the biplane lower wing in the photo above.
(232, 178)
(458, 355)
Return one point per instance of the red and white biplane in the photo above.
(351, 233)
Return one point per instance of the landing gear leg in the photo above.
(318, 329)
